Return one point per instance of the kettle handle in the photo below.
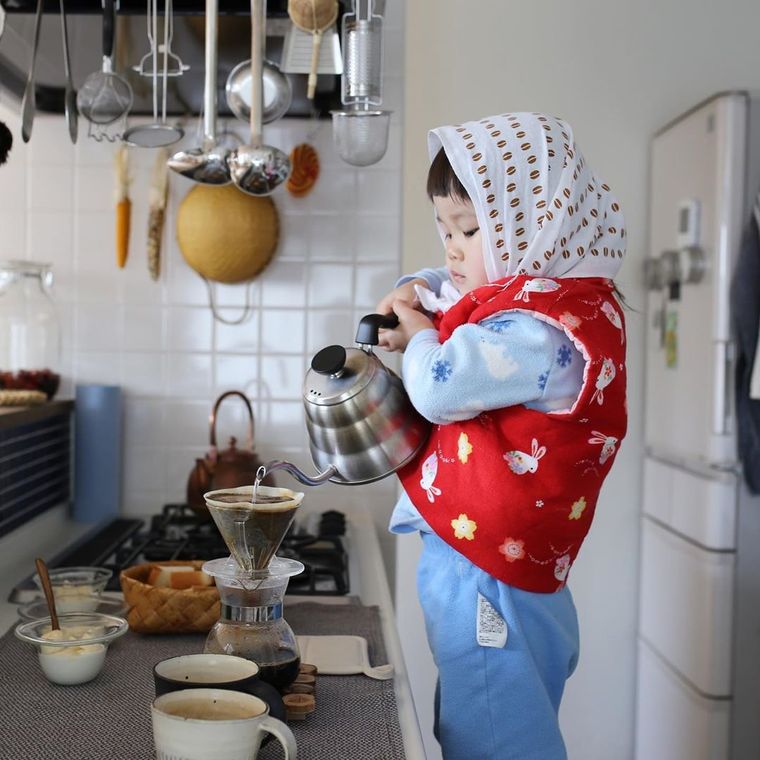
(369, 326)
(215, 410)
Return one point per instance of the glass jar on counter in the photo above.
(30, 336)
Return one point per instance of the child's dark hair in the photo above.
(442, 182)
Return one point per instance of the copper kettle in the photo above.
(230, 468)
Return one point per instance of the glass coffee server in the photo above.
(30, 337)
(252, 580)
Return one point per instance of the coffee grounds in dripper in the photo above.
(253, 532)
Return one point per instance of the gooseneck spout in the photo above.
(300, 475)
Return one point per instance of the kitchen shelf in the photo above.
(13, 416)
(275, 8)
(35, 461)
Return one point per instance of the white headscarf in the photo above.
(540, 208)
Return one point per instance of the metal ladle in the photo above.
(207, 164)
(277, 92)
(257, 169)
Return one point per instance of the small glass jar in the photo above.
(30, 336)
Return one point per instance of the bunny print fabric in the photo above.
(514, 488)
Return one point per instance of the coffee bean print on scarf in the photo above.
(531, 185)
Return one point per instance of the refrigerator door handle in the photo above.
(723, 400)
(681, 266)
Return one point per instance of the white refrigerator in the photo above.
(698, 685)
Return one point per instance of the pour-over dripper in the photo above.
(253, 531)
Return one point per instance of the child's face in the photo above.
(464, 250)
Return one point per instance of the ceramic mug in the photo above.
(198, 724)
(216, 671)
(210, 671)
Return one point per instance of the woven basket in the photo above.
(154, 609)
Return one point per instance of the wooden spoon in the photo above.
(48, 589)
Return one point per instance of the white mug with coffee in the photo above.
(215, 724)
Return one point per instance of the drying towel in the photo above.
(433, 303)
(745, 300)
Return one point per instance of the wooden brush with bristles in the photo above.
(157, 196)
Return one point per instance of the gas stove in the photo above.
(178, 533)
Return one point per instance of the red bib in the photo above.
(514, 489)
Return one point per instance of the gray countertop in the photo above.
(11, 416)
(47, 534)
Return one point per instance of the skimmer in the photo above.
(157, 134)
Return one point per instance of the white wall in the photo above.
(616, 71)
(339, 252)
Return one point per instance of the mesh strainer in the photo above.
(105, 97)
(360, 132)
(361, 137)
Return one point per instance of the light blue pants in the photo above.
(495, 702)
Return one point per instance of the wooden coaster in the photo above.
(300, 688)
(298, 706)
(299, 697)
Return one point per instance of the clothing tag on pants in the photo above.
(492, 628)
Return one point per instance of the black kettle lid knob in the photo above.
(329, 361)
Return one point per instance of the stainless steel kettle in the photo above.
(361, 424)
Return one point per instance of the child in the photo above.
(522, 372)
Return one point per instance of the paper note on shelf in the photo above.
(341, 655)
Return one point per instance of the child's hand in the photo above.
(404, 292)
(410, 322)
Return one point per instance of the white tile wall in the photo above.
(339, 251)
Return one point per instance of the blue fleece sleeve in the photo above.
(434, 278)
(505, 360)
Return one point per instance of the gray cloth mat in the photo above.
(109, 718)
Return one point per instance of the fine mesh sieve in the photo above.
(360, 131)
(361, 137)
(105, 97)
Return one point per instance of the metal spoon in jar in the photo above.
(257, 169)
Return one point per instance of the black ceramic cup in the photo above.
(216, 671)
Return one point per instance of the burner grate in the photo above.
(178, 533)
